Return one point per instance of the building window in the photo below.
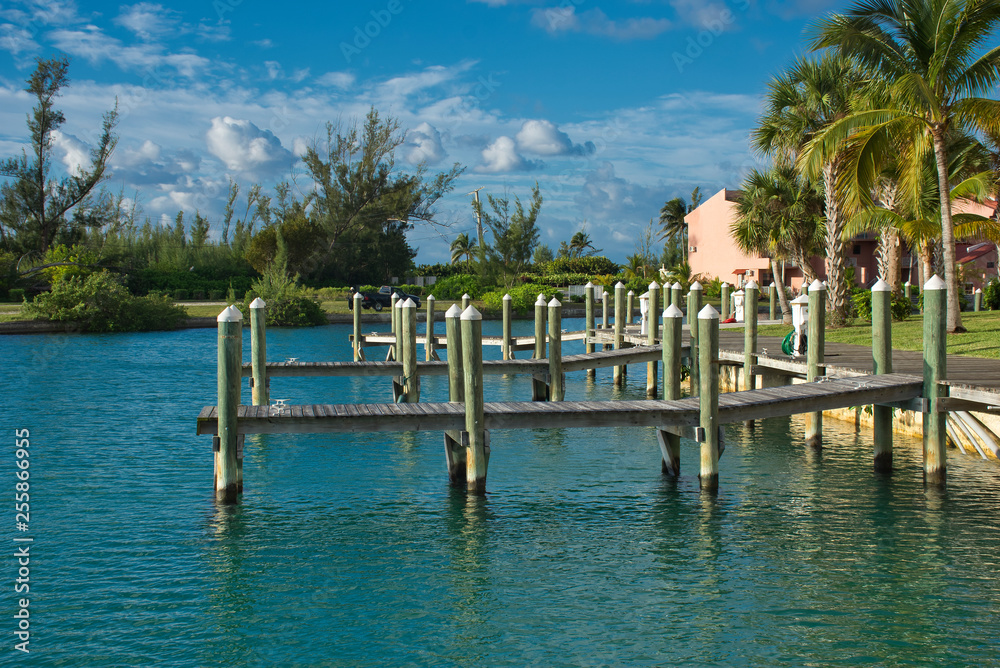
(990, 265)
(857, 249)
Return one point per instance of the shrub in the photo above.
(100, 303)
(417, 290)
(198, 295)
(16, 294)
(287, 303)
(180, 295)
(562, 279)
(991, 295)
(216, 295)
(591, 265)
(899, 308)
(522, 297)
(453, 287)
(83, 262)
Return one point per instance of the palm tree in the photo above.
(461, 247)
(778, 216)
(579, 244)
(672, 223)
(800, 103)
(926, 53)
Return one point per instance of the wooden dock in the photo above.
(733, 407)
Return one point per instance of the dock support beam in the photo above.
(708, 352)
(604, 313)
(588, 324)
(454, 449)
(429, 353)
(505, 342)
(539, 388)
(882, 359)
(557, 385)
(230, 370)
(395, 309)
(619, 374)
(750, 292)
(477, 452)
(259, 382)
(694, 307)
(652, 332)
(629, 307)
(408, 386)
(358, 354)
(670, 443)
(935, 372)
(814, 357)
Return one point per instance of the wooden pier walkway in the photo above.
(733, 407)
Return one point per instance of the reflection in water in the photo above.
(467, 520)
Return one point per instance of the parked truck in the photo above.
(380, 299)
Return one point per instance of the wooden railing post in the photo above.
(815, 352)
(694, 308)
(935, 373)
(230, 372)
(477, 450)
(652, 334)
(454, 448)
(588, 324)
(708, 353)
(358, 350)
(557, 386)
(429, 353)
(670, 443)
(505, 336)
(882, 359)
(259, 382)
(619, 374)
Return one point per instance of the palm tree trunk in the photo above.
(891, 252)
(786, 309)
(836, 289)
(954, 316)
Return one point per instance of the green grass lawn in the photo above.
(982, 339)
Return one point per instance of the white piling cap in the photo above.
(907, 284)
(677, 286)
(724, 284)
(407, 303)
(801, 299)
(398, 304)
(881, 286)
(258, 303)
(631, 293)
(751, 285)
(772, 284)
(654, 286)
(978, 291)
(589, 285)
(605, 293)
(934, 283)
(672, 312)
(619, 284)
(696, 286)
(430, 298)
(555, 303)
(466, 296)
(817, 285)
(708, 313)
(738, 293)
(453, 312)
(230, 314)
(540, 301)
(357, 296)
(507, 297)
(471, 313)
(395, 294)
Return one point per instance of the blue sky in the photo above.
(613, 108)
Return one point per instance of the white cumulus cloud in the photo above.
(545, 138)
(502, 156)
(423, 144)
(244, 147)
(555, 20)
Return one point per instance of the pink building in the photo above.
(713, 253)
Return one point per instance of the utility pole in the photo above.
(479, 217)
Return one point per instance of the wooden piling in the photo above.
(670, 443)
(358, 354)
(230, 370)
(539, 387)
(882, 359)
(708, 404)
(395, 311)
(676, 295)
(750, 291)
(604, 311)
(454, 448)
(472, 360)
(507, 313)
(466, 301)
(619, 373)
(725, 302)
(629, 307)
(815, 353)
(429, 353)
(772, 312)
(557, 385)
(259, 382)
(588, 298)
(935, 372)
(977, 300)
(694, 307)
(410, 382)
(652, 334)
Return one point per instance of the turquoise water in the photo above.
(354, 551)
